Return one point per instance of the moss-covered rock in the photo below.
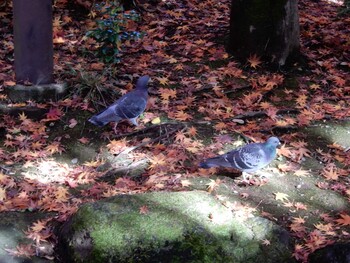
(12, 234)
(173, 227)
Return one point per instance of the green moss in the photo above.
(176, 228)
(323, 133)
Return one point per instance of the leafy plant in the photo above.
(113, 30)
(345, 9)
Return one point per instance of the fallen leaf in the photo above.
(97, 66)
(144, 210)
(156, 120)
(9, 83)
(254, 61)
(266, 242)
(185, 183)
(83, 140)
(2, 194)
(344, 220)
(281, 196)
(72, 123)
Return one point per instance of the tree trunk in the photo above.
(33, 41)
(266, 28)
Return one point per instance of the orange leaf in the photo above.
(285, 151)
(163, 81)
(213, 184)
(220, 126)
(185, 183)
(344, 220)
(330, 172)
(83, 140)
(180, 136)
(38, 225)
(254, 61)
(300, 206)
(55, 147)
(281, 196)
(192, 131)
(144, 210)
(301, 100)
(97, 66)
(9, 83)
(166, 94)
(182, 116)
(2, 194)
(54, 114)
(301, 172)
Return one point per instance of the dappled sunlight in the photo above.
(337, 2)
(48, 171)
(330, 132)
(202, 102)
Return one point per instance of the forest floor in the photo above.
(202, 103)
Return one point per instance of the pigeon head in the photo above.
(142, 82)
(273, 141)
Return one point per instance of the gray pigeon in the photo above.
(128, 107)
(248, 158)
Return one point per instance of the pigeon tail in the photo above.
(204, 165)
(218, 161)
(142, 82)
(96, 122)
(104, 117)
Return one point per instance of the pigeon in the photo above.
(248, 158)
(128, 107)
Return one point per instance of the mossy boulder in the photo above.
(169, 227)
(12, 234)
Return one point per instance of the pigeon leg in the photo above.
(134, 121)
(244, 175)
(115, 127)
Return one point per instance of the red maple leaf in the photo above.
(53, 114)
(344, 220)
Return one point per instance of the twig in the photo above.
(253, 114)
(236, 89)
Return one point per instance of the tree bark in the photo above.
(266, 28)
(33, 41)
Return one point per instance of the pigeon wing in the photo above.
(248, 158)
(131, 105)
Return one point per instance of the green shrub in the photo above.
(345, 9)
(112, 30)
